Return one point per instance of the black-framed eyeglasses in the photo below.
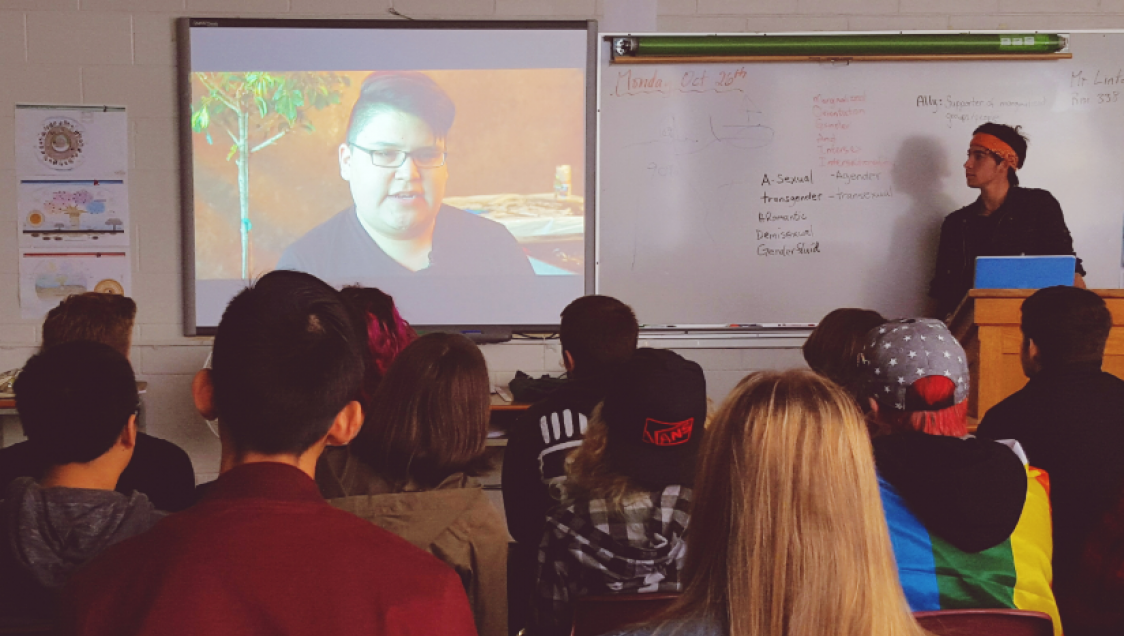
(394, 157)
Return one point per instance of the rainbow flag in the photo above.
(1015, 574)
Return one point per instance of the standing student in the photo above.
(77, 403)
(790, 539)
(1006, 220)
(1069, 417)
(628, 494)
(159, 469)
(412, 468)
(262, 552)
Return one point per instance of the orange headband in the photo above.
(999, 147)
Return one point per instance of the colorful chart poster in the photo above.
(79, 143)
(46, 278)
(73, 204)
(85, 214)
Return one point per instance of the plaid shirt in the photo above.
(587, 551)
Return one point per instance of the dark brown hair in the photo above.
(599, 332)
(833, 349)
(429, 417)
(285, 363)
(1067, 324)
(93, 316)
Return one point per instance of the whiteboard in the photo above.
(776, 192)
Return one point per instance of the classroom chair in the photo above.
(596, 615)
(986, 622)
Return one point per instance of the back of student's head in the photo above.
(429, 417)
(105, 318)
(599, 332)
(917, 373)
(790, 537)
(383, 332)
(646, 434)
(74, 399)
(833, 348)
(1067, 325)
(285, 363)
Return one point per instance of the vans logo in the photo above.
(668, 433)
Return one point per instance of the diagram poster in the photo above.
(73, 203)
(89, 214)
(81, 143)
(46, 278)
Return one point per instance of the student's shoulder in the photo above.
(573, 395)
(17, 460)
(1032, 196)
(367, 541)
(161, 449)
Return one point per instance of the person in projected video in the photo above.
(394, 161)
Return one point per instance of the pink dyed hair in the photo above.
(386, 340)
(387, 334)
(933, 390)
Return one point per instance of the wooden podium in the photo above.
(987, 325)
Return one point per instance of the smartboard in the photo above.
(776, 192)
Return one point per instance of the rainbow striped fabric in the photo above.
(1014, 574)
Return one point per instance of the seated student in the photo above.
(970, 522)
(410, 470)
(628, 492)
(790, 539)
(834, 346)
(262, 552)
(159, 469)
(382, 335)
(77, 403)
(598, 334)
(1095, 604)
(381, 326)
(1069, 417)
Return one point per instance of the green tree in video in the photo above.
(256, 110)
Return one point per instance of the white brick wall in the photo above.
(122, 52)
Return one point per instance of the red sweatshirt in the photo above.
(262, 553)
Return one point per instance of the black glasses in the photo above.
(394, 158)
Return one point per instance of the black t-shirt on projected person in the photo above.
(341, 251)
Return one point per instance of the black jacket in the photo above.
(969, 492)
(1070, 422)
(536, 451)
(1029, 222)
(159, 469)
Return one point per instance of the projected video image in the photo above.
(359, 176)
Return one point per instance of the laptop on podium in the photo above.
(1024, 272)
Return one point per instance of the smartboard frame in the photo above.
(187, 199)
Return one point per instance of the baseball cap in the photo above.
(655, 411)
(901, 352)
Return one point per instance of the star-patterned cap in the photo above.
(900, 352)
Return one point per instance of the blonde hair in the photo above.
(588, 475)
(791, 538)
